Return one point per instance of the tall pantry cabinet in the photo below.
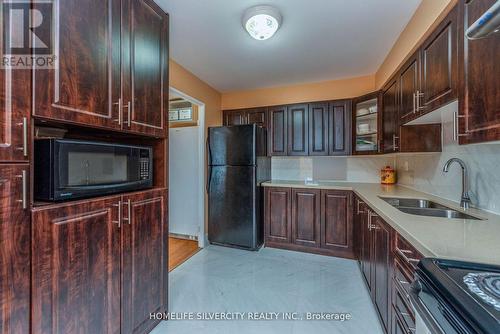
(98, 265)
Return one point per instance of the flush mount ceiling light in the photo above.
(261, 22)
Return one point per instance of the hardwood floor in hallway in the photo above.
(179, 250)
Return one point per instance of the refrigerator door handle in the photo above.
(209, 178)
(209, 168)
(209, 153)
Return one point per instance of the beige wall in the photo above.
(189, 84)
(426, 17)
(318, 91)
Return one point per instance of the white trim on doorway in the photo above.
(202, 239)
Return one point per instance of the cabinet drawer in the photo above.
(402, 307)
(402, 275)
(406, 252)
(400, 326)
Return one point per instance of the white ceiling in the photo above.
(318, 40)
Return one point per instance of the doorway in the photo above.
(186, 177)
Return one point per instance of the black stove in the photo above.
(457, 297)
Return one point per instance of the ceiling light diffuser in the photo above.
(261, 22)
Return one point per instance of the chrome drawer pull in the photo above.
(407, 259)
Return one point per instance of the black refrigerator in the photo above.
(237, 165)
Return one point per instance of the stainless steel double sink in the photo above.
(423, 207)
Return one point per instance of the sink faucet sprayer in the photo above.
(465, 199)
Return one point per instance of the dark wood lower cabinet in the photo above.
(76, 267)
(336, 222)
(309, 220)
(98, 261)
(144, 254)
(306, 217)
(381, 264)
(277, 215)
(14, 251)
(374, 240)
(365, 241)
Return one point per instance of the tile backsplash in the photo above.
(422, 171)
(353, 169)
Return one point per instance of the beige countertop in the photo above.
(459, 239)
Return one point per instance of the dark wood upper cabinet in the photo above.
(15, 110)
(234, 117)
(381, 264)
(318, 128)
(14, 250)
(76, 267)
(479, 103)
(339, 125)
(409, 86)
(112, 67)
(366, 124)
(277, 133)
(390, 117)
(439, 66)
(337, 222)
(145, 108)
(246, 116)
(257, 116)
(306, 217)
(86, 87)
(144, 258)
(298, 129)
(277, 215)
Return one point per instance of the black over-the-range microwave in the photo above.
(71, 169)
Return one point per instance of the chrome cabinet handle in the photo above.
(129, 212)
(24, 191)
(25, 136)
(358, 209)
(120, 110)
(394, 137)
(414, 103)
(119, 222)
(418, 96)
(129, 115)
(24, 148)
(406, 258)
(370, 225)
(456, 128)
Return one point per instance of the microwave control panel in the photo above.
(144, 168)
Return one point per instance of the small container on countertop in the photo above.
(388, 175)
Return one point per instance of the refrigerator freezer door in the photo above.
(232, 145)
(232, 217)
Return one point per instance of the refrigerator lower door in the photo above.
(232, 219)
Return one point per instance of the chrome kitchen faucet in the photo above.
(465, 199)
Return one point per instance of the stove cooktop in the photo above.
(472, 290)
(485, 286)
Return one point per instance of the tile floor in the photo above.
(219, 279)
